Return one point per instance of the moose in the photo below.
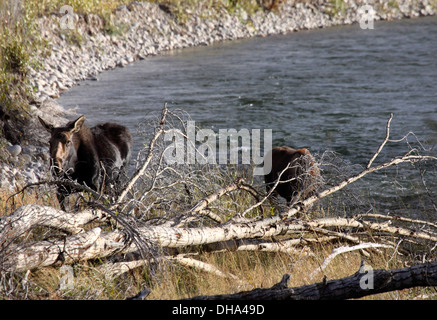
(93, 157)
(299, 177)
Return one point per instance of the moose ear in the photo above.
(46, 125)
(77, 124)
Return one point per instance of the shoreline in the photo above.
(151, 31)
(143, 29)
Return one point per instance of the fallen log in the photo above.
(363, 283)
(43, 253)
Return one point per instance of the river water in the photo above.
(328, 90)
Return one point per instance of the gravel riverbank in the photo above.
(142, 29)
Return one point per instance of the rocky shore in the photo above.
(84, 48)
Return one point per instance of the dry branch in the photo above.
(307, 202)
(299, 247)
(113, 270)
(387, 135)
(141, 171)
(29, 216)
(396, 218)
(197, 264)
(340, 250)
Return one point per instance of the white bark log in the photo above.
(29, 216)
(46, 253)
(103, 244)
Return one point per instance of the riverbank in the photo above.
(82, 46)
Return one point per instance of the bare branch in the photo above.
(396, 218)
(408, 158)
(167, 211)
(340, 250)
(387, 135)
(140, 172)
(193, 263)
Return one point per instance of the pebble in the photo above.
(122, 63)
(14, 150)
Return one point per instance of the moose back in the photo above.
(297, 172)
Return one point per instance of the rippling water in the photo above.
(328, 90)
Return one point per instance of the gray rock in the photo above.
(122, 63)
(30, 176)
(14, 150)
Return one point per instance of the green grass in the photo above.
(19, 41)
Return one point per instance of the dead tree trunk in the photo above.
(98, 244)
(362, 283)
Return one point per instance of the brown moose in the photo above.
(299, 175)
(88, 155)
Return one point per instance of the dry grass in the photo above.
(257, 270)
(10, 201)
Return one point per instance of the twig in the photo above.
(395, 218)
(387, 135)
(340, 250)
(422, 173)
(408, 158)
(216, 195)
(201, 206)
(189, 262)
(141, 171)
(61, 182)
(272, 189)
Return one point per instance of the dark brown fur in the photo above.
(89, 155)
(302, 176)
